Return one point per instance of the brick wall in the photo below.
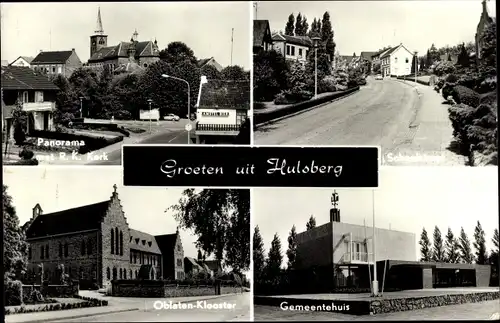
(147, 60)
(73, 63)
(178, 254)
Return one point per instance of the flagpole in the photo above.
(232, 42)
(375, 282)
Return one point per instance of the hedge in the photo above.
(21, 162)
(464, 95)
(91, 143)
(262, 117)
(87, 302)
(13, 293)
(105, 126)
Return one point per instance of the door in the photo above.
(46, 120)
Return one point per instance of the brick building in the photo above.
(93, 242)
(142, 53)
(173, 256)
(56, 62)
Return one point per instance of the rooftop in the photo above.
(24, 78)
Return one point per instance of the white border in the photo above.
(250, 39)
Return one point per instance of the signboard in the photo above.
(153, 114)
(216, 116)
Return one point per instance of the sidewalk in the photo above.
(429, 134)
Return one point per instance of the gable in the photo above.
(261, 32)
(59, 57)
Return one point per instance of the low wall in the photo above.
(353, 307)
(412, 79)
(261, 117)
(408, 304)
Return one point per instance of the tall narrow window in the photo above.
(108, 273)
(29, 253)
(117, 242)
(121, 243)
(115, 274)
(130, 272)
(124, 274)
(121, 273)
(65, 250)
(60, 250)
(47, 252)
(112, 241)
(83, 248)
(89, 247)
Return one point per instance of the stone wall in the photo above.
(413, 303)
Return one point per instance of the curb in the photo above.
(414, 123)
(80, 316)
(208, 298)
(302, 111)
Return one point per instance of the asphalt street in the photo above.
(472, 311)
(371, 116)
(196, 312)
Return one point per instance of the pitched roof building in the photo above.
(209, 62)
(56, 62)
(262, 39)
(484, 22)
(142, 53)
(23, 61)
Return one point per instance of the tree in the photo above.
(463, 57)
(438, 253)
(425, 246)
(488, 50)
(466, 255)
(451, 248)
(311, 224)
(259, 258)
(289, 27)
(327, 35)
(494, 252)
(14, 243)
(314, 28)
(124, 93)
(221, 220)
(298, 25)
(305, 27)
(234, 73)
(66, 100)
(291, 253)
(434, 54)
(20, 123)
(199, 256)
(177, 53)
(270, 75)
(85, 83)
(428, 60)
(211, 72)
(422, 63)
(274, 258)
(480, 245)
(413, 67)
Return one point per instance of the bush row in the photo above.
(91, 143)
(88, 302)
(103, 126)
(185, 282)
(262, 117)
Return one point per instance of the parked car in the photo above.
(171, 117)
(379, 77)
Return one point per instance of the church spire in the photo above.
(99, 30)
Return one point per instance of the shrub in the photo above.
(327, 84)
(446, 91)
(445, 67)
(292, 96)
(13, 293)
(464, 95)
(451, 78)
(26, 154)
(63, 118)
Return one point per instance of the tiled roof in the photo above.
(346, 58)
(166, 242)
(380, 52)
(142, 49)
(143, 241)
(296, 40)
(213, 265)
(130, 67)
(24, 78)
(260, 31)
(203, 62)
(367, 55)
(194, 263)
(390, 51)
(59, 57)
(82, 218)
(225, 95)
(28, 59)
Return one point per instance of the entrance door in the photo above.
(46, 120)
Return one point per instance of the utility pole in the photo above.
(375, 282)
(232, 42)
(255, 5)
(416, 66)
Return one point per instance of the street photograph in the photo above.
(417, 78)
(77, 251)
(422, 246)
(76, 87)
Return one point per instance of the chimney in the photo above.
(73, 50)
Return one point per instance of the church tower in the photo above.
(98, 40)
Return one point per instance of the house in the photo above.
(94, 243)
(222, 109)
(5, 62)
(23, 61)
(484, 22)
(341, 255)
(192, 267)
(56, 62)
(376, 57)
(292, 47)
(367, 58)
(142, 53)
(173, 256)
(36, 94)
(214, 265)
(262, 40)
(209, 62)
(396, 61)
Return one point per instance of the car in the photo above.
(171, 117)
(379, 77)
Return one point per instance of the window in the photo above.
(179, 262)
(25, 97)
(407, 60)
(108, 273)
(121, 243)
(89, 247)
(121, 273)
(60, 250)
(38, 96)
(65, 250)
(29, 253)
(288, 49)
(395, 59)
(117, 241)
(136, 273)
(130, 272)
(293, 50)
(131, 257)
(240, 118)
(47, 252)
(115, 274)
(145, 65)
(300, 51)
(83, 248)
(124, 274)
(135, 258)
(112, 241)
(53, 69)
(94, 271)
(59, 69)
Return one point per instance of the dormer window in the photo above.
(137, 241)
(143, 242)
(130, 239)
(149, 243)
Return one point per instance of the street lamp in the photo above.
(81, 107)
(315, 41)
(416, 66)
(149, 102)
(189, 99)
(375, 281)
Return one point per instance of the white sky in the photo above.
(370, 25)
(407, 199)
(28, 28)
(58, 188)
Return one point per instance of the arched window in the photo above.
(112, 241)
(115, 273)
(124, 274)
(83, 248)
(89, 247)
(108, 273)
(121, 273)
(131, 277)
(121, 243)
(407, 60)
(136, 274)
(117, 242)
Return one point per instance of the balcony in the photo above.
(217, 129)
(355, 258)
(39, 106)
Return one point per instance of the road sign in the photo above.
(189, 127)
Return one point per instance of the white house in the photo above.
(22, 61)
(396, 61)
(292, 47)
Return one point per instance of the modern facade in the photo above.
(95, 244)
(56, 62)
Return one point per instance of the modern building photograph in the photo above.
(104, 252)
(423, 244)
(103, 75)
(323, 76)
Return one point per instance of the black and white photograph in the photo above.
(80, 247)
(422, 246)
(78, 85)
(417, 78)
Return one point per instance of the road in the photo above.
(470, 311)
(198, 312)
(380, 114)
